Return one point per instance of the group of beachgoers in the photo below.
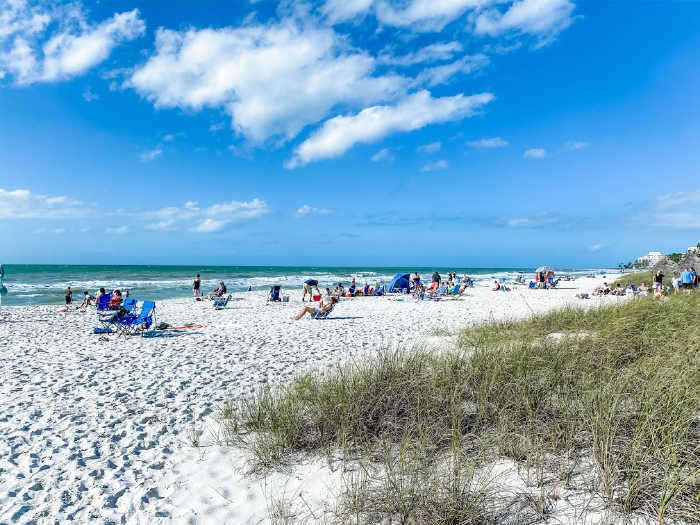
(217, 293)
(115, 300)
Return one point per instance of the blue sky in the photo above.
(355, 132)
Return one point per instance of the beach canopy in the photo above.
(545, 269)
(399, 282)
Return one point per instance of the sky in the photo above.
(464, 133)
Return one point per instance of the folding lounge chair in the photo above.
(532, 285)
(379, 291)
(220, 303)
(274, 295)
(110, 319)
(131, 324)
(323, 315)
(455, 290)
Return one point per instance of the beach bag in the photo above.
(101, 331)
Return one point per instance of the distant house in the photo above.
(650, 259)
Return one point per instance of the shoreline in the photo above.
(106, 427)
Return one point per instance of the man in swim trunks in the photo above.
(309, 286)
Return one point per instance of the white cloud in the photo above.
(305, 210)
(148, 156)
(209, 225)
(272, 79)
(165, 225)
(677, 199)
(89, 95)
(117, 230)
(23, 204)
(73, 49)
(535, 153)
(218, 216)
(573, 145)
(430, 148)
(423, 15)
(383, 155)
(169, 137)
(493, 142)
(543, 219)
(342, 10)
(437, 52)
(678, 210)
(413, 112)
(437, 75)
(437, 165)
(544, 19)
(678, 220)
(595, 247)
(54, 231)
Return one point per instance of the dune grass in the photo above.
(615, 387)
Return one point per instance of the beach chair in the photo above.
(108, 321)
(455, 289)
(274, 295)
(103, 302)
(442, 290)
(323, 315)
(532, 285)
(132, 324)
(220, 303)
(379, 291)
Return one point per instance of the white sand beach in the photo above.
(102, 430)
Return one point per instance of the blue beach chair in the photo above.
(110, 320)
(323, 315)
(132, 323)
(103, 302)
(455, 289)
(220, 303)
(274, 294)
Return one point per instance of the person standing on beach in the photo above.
(435, 281)
(309, 286)
(69, 296)
(196, 285)
(658, 280)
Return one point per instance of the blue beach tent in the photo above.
(399, 283)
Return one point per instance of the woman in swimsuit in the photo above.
(315, 311)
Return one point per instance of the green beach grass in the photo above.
(603, 399)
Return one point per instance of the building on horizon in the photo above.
(650, 259)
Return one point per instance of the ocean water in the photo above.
(45, 284)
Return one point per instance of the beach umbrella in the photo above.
(545, 269)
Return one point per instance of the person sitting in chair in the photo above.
(219, 292)
(116, 301)
(322, 309)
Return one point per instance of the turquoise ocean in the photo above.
(45, 284)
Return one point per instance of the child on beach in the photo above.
(69, 296)
(86, 300)
(196, 285)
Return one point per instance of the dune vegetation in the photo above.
(601, 401)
